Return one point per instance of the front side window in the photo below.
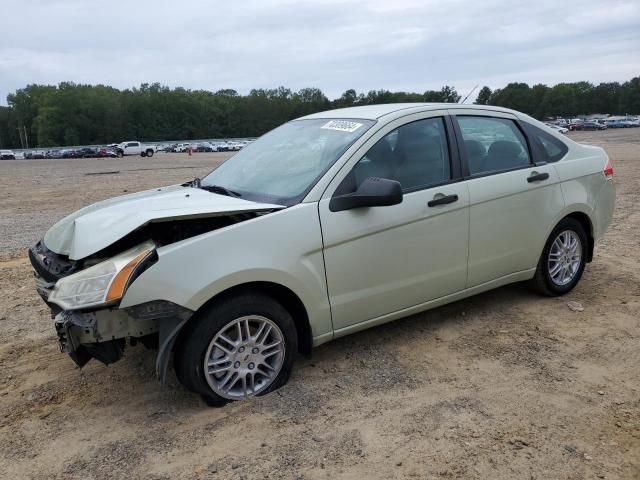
(415, 154)
(281, 166)
(493, 144)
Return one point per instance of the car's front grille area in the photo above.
(48, 268)
(49, 265)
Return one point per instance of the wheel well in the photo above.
(287, 298)
(585, 221)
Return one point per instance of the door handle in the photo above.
(537, 177)
(444, 200)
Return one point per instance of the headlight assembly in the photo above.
(100, 284)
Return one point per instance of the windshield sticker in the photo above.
(342, 125)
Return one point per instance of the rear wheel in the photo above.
(149, 153)
(563, 259)
(239, 347)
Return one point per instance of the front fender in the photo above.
(283, 247)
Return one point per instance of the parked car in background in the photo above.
(234, 146)
(221, 146)
(387, 210)
(87, 152)
(7, 155)
(590, 126)
(615, 124)
(57, 153)
(181, 147)
(205, 147)
(35, 155)
(129, 148)
(71, 153)
(106, 152)
(557, 128)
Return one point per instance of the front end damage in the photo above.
(103, 333)
(99, 328)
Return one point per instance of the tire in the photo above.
(120, 154)
(201, 339)
(149, 153)
(143, 154)
(551, 277)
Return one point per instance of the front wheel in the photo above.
(563, 259)
(239, 347)
(120, 154)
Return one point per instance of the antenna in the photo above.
(469, 94)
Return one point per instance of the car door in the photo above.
(134, 148)
(513, 200)
(380, 260)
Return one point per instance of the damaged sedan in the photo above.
(327, 225)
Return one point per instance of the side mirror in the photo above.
(373, 192)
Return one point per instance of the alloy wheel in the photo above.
(565, 257)
(244, 357)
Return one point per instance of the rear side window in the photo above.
(551, 149)
(493, 144)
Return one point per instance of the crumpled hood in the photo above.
(97, 226)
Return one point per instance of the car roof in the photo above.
(375, 112)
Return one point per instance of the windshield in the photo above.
(282, 166)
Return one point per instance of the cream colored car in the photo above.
(327, 225)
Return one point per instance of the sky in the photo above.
(399, 45)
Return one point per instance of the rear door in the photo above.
(513, 200)
(381, 260)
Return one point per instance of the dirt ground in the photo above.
(504, 385)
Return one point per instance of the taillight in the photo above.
(608, 169)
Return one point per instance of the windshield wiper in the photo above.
(197, 183)
(220, 190)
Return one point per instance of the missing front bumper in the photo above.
(102, 334)
(78, 336)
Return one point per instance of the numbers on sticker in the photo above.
(342, 125)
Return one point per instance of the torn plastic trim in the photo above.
(102, 334)
(171, 318)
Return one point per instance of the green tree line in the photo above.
(74, 114)
(566, 99)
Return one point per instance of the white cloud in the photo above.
(334, 45)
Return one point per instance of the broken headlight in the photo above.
(103, 283)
